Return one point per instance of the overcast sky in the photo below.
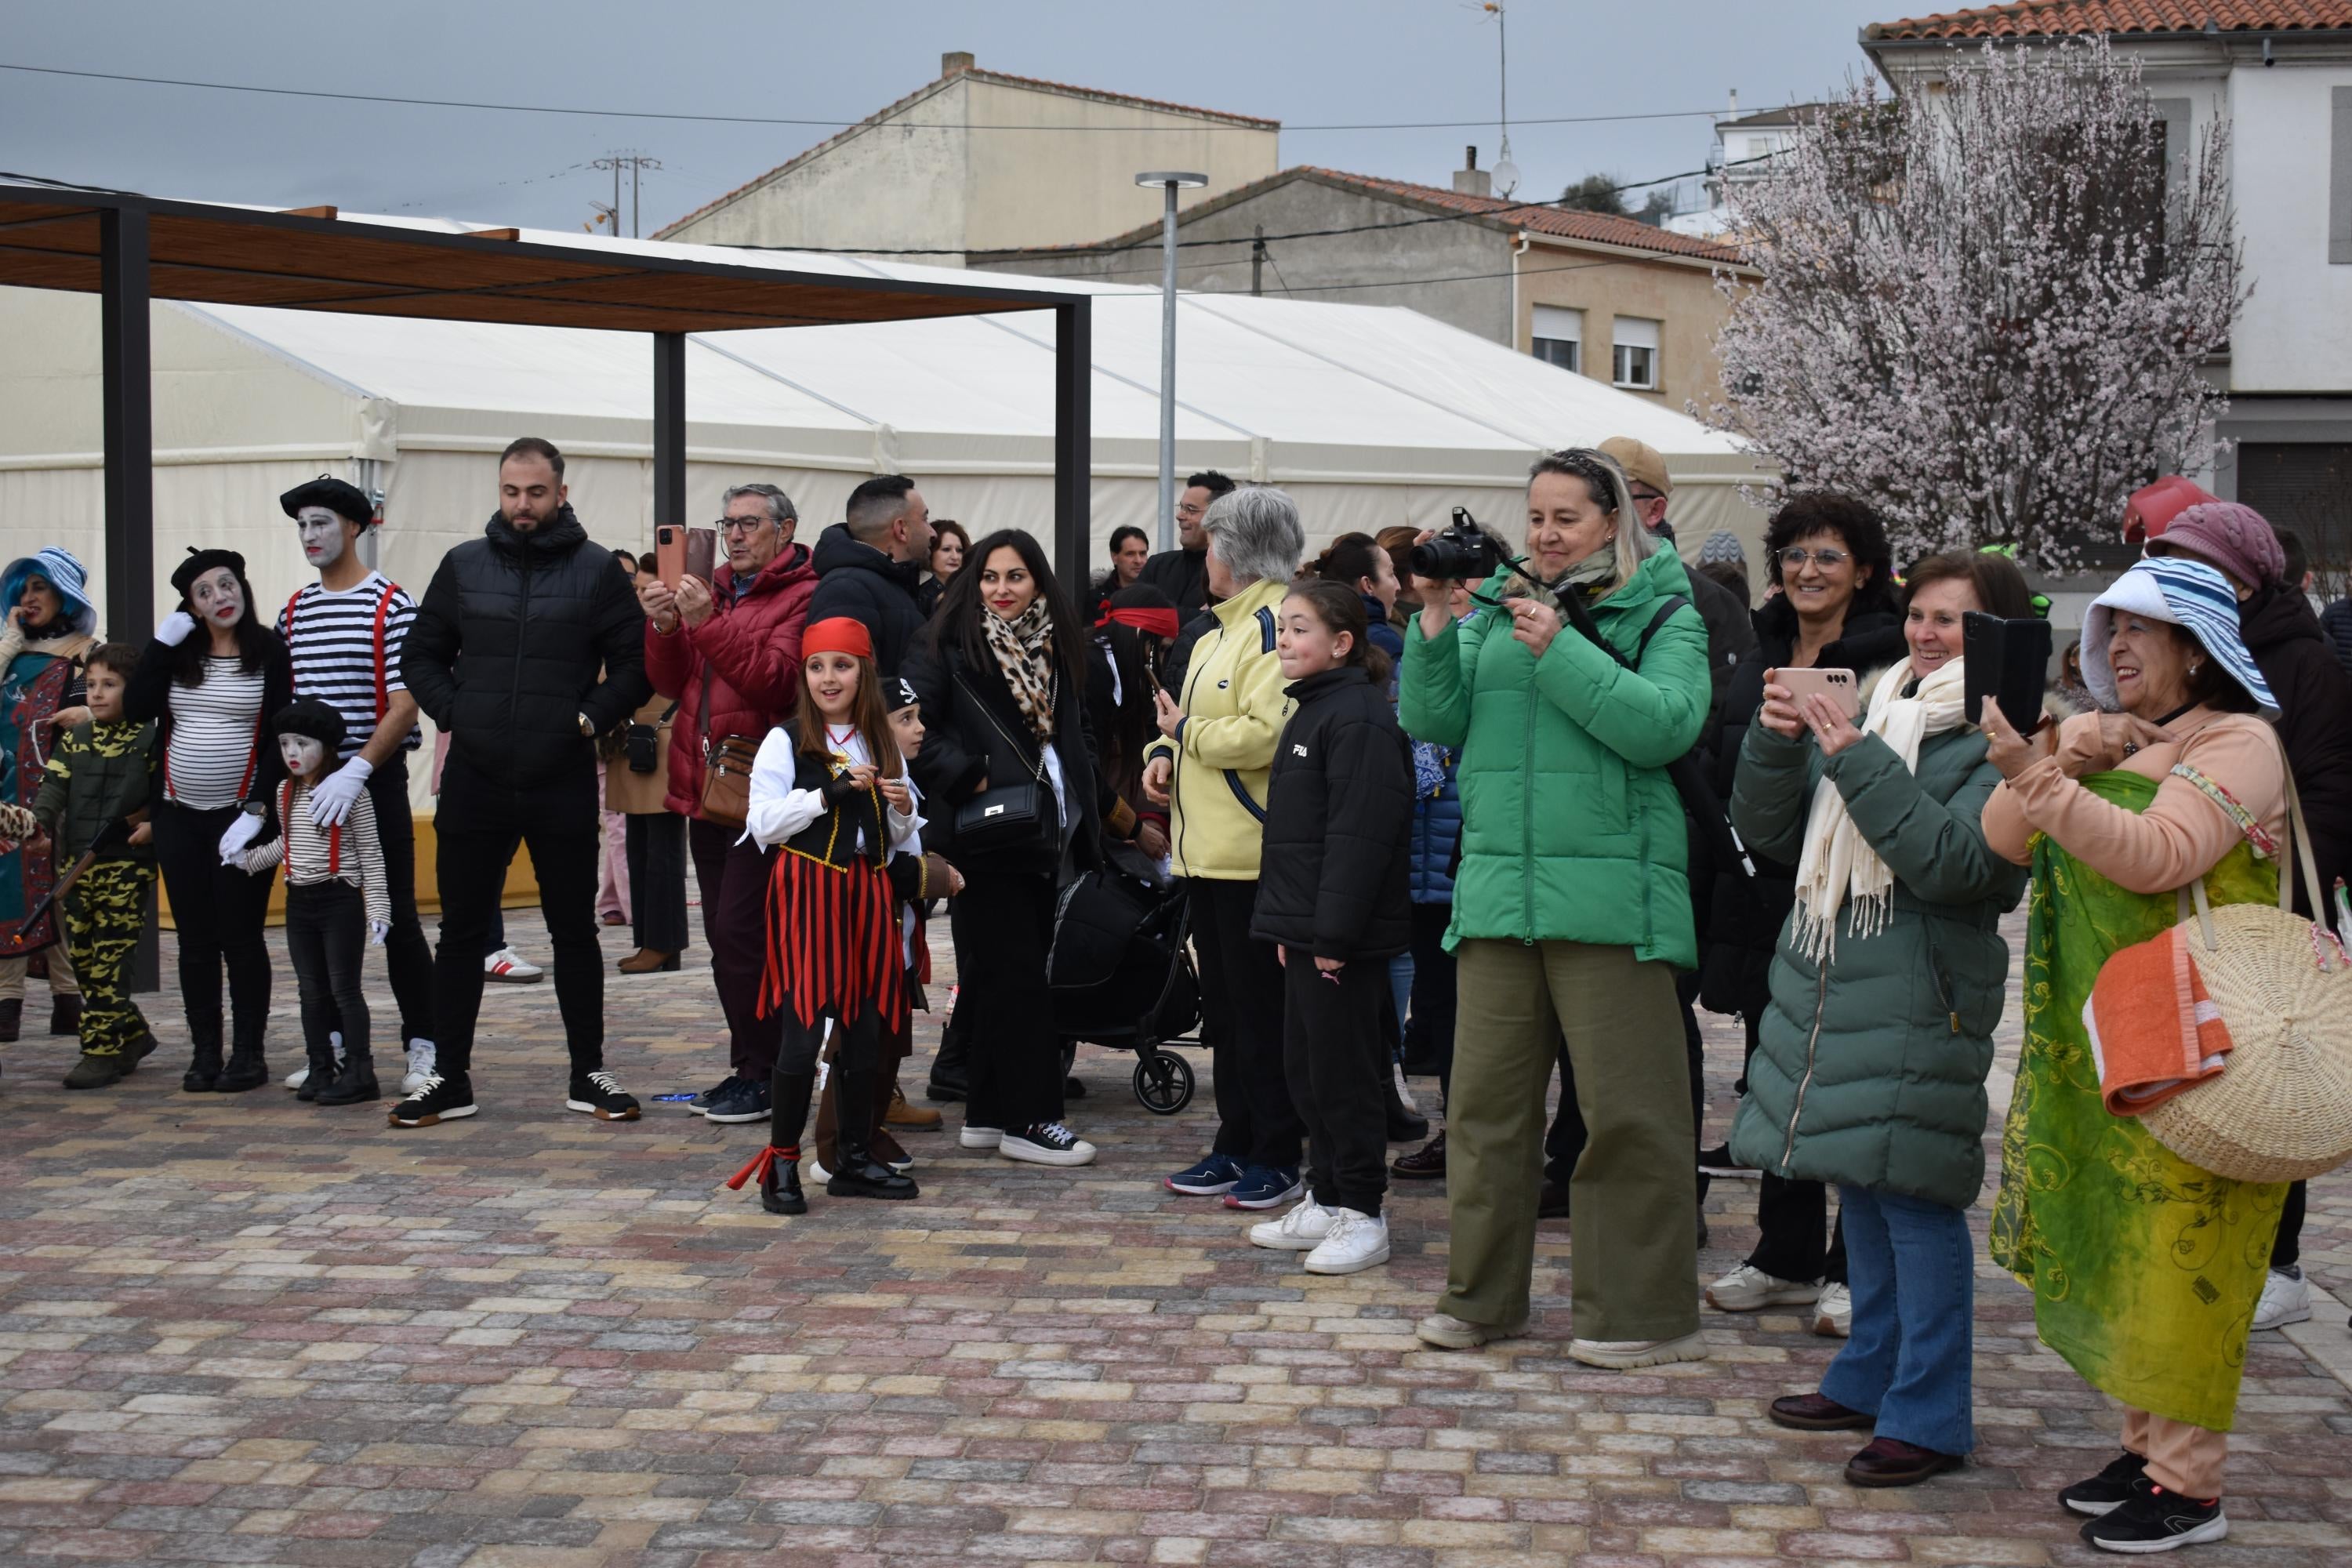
(1305, 62)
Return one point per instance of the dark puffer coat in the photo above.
(2314, 724)
(1745, 916)
(510, 640)
(974, 733)
(1332, 873)
(857, 581)
(749, 653)
(1871, 1069)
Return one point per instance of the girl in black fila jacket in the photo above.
(1332, 893)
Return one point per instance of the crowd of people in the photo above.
(1490, 813)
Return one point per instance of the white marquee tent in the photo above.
(1369, 416)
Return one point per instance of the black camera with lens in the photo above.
(1465, 552)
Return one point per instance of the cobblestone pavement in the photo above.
(242, 1330)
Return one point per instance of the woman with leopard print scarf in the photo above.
(1001, 678)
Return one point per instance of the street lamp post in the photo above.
(1172, 182)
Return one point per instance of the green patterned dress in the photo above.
(2145, 1270)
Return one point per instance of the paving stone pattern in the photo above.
(237, 1329)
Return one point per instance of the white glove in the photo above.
(331, 802)
(377, 932)
(241, 833)
(174, 629)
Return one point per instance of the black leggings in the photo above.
(218, 913)
(326, 935)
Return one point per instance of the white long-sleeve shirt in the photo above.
(305, 850)
(778, 810)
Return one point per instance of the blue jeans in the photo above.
(1911, 1269)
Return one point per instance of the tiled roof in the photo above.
(929, 87)
(2059, 18)
(1599, 228)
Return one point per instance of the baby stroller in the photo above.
(1122, 975)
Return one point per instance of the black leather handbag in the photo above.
(1008, 816)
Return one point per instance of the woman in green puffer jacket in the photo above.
(1870, 1066)
(1571, 913)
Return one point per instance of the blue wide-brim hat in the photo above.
(2187, 594)
(65, 573)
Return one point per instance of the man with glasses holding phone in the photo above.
(728, 652)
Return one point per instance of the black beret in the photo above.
(309, 716)
(342, 499)
(200, 562)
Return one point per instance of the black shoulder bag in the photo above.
(1688, 774)
(1008, 816)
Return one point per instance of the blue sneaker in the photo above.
(1265, 1187)
(1217, 1174)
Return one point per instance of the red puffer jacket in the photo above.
(749, 652)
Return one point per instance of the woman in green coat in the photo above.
(1571, 913)
(1870, 1066)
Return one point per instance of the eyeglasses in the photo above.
(1186, 508)
(1793, 559)
(741, 524)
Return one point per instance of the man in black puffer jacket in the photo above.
(506, 654)
(869, 566)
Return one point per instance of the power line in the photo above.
(786, 120)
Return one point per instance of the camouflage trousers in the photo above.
(104, 913)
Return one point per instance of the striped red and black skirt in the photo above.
(833, 943)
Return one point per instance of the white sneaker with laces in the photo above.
(508, 965)
(1355, 1242)
(979, 1137)
(1749, 1289)
(1833, 1312)
(2285, 1299)
(1302, 1229)
(423, 1056)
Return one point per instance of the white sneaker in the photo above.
(1404, 1095)
(812, 1171)
(1049, 1143)
(1623, 1355)
(1302, 1229)
(298, 1077)
(1748, 1289)
(980, 1137)
(1355, 1242)
(1833, 1312)
(508, 965)
(1448, 1332)
(423, 1055)
(301, 1074)
(2285, 1299)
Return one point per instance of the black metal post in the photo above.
(1073, 443)
(669, 428)
(126, 390)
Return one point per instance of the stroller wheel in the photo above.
(1164, 1082)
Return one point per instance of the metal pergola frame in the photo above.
(132, 250)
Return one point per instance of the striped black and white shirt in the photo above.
(216, 736)
(352, 853)
(332, 638)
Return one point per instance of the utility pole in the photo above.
(1257, 262)
(635, 162)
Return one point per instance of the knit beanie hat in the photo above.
(1722, 545)
(2233, 537)
(309, 716)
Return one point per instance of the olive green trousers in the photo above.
(1633, 1213)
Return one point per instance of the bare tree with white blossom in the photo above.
(1986, 310)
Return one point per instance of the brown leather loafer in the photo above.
(1423, 1164)
(1812, 1413)
(901, 1114)
(1891, 1462)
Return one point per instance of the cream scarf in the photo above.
(1837, 860)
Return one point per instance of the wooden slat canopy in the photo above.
(299, 261)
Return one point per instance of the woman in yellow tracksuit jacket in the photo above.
(1215, 748)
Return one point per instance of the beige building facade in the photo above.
(978, 160)
(1646, 321)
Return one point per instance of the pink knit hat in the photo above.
(2235, 538)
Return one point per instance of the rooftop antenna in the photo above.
(1505, 173)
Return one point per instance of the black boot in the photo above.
(1404, 1127)
(778, 1166)
(12, 1019)
(205, 1066)
(248, 1067)
(65, 1014)
(353, 1081)
(322, 1074)
(861, 1174)
(780, 1188)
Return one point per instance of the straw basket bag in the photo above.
(2281, 1109)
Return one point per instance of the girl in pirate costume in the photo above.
(829, 787)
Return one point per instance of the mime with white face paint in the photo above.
(345, 633)
(212, 675)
